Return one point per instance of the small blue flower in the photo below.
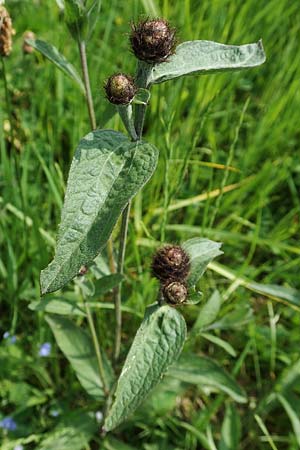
(45, 349)
(10, 339)
(19, 447)
(8, 423)
(54, 413)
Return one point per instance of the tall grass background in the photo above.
(229, 170)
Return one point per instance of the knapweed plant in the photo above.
(108, 169)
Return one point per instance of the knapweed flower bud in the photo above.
(120, 89)
(153, 41)
(6, 32)
(175, 292)
(171, 263)
(27, 49)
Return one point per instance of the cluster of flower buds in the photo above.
(152, 41)
(6, 32)
(171, 266)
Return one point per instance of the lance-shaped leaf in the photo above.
(156, 346)
(205, 372)
(51, 53)
(201, 57)
(107, 171)
(201, 252)
(77, 346)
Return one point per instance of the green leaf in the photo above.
(201, 57)
(231, 429)
(107, 171)
(111, 443)
(78, 348)
(203, 371)
(220, 343)
(202, 252)
(106, 284)
(51, 53)
(58, 305)
(208, 312)
(74, 11)
(157, 344)
(73, 433)
(193, 298)
(293, 416)
(142, 97)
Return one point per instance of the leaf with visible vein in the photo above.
(78, 348)
(203, 371)
(201, 252)
(157, 344)
(201, 57)
(51, 53)
(107, 171)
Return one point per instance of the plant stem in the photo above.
(86, 79)
(143, 71)
(91, 110)
(97, 349)
(120, 269)
(135, 131)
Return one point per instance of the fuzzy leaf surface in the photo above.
(78, 348)
(107, 171)
(201, 252)
(51, 53)
(157, 344)
(201, 57)
(203, 371)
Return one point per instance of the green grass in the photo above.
(248, 121)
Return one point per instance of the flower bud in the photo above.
(27, 49)
(152, 41)
(120, 89)
(170, 263)
(6, 32)
(175, 292)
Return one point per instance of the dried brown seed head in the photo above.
(27, 49)
(175, 292)
(120, 89)
(153, 41)
(6, 32)
(171, 263)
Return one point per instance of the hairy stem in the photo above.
(86, 79)
(117, 291)
(142, 74)
(97, 349)
(126, 116)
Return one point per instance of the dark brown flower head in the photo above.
(152, 41)
(27, 48)
(175, 292)
(120, 89)
(170, 263)
(6, 32)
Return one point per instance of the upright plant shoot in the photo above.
(109, 168)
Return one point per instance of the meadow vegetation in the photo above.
(229, 170)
